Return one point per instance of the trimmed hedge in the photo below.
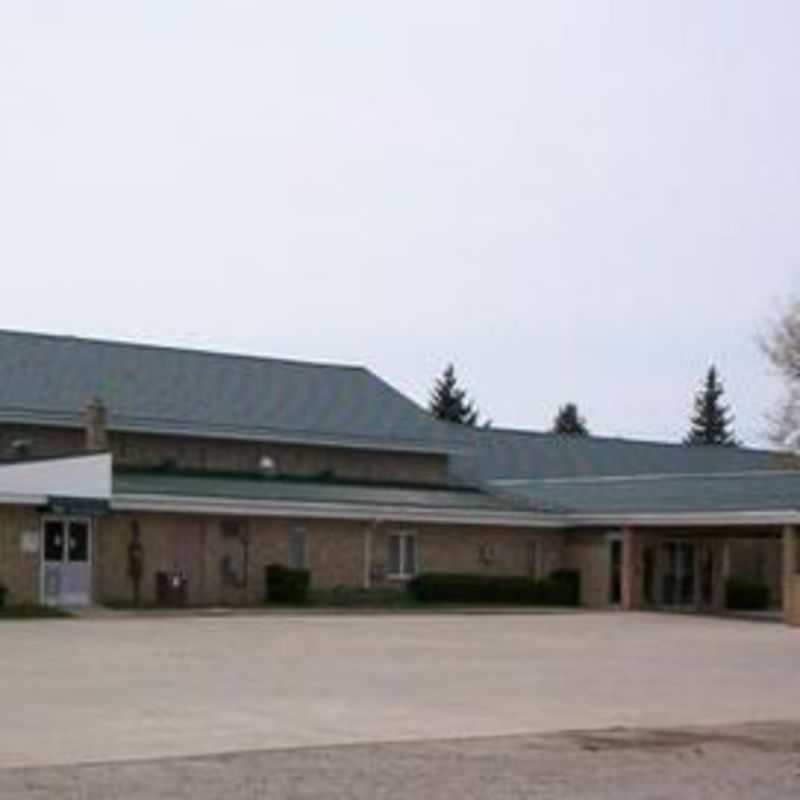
(33, 612)
(744, 595)
(355, 597)
(285, 585)
(562, 588)
(566, 587)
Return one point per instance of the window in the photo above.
(54, 540)
(298, 548)
(78, 541)
(234, 564)
(402, 555)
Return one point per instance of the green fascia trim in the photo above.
(327, 478)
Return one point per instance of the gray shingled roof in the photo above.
(48, 379)
(502, 453)
(557, 499)
(662, 494)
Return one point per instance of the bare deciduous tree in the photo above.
(782, 347)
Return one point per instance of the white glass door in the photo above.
(66, 562)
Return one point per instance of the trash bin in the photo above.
(172, 588)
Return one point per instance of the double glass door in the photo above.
(66, 562)
(678, 584)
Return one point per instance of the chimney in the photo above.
(94, 423)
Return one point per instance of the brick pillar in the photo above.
(791, 578)
(367, 573)
(631, 570)
(95, 424)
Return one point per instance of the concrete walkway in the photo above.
(97, 690)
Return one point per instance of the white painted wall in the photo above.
(86, 476)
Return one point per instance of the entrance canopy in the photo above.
(57, 480)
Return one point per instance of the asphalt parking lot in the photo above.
(98, 690)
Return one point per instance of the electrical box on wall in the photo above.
(486, 553)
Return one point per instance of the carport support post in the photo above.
(367, 577)
(791, 579)
(720, 568)
(631, 569)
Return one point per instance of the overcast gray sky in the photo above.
(581, 201)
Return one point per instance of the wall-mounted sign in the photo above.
(77, 506)
(29, 542)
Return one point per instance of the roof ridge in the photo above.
(177, 349)
(623, 440)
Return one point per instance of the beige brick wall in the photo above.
(590, 554)
(19, 572)
(131, 449)
(454, 548)
(135, 449)
(336, 551)
(197, 546)
(44, 441)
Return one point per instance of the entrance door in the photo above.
(66, 562)
(677, 575)
(707, 574)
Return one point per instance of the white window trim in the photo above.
(404, 574)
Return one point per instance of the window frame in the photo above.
(295, 532)
(404, 574)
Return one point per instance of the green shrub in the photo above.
(285, 585)
(565, 587)
(562, 588)
(744, 595)
(3, 595)
(33, 612)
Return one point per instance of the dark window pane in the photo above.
(687, 574)
(411, 556)
(78, 541)
(53, 540)
(394, 555)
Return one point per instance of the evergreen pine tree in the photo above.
(712, 422)
(449, 401)
(569, 422)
